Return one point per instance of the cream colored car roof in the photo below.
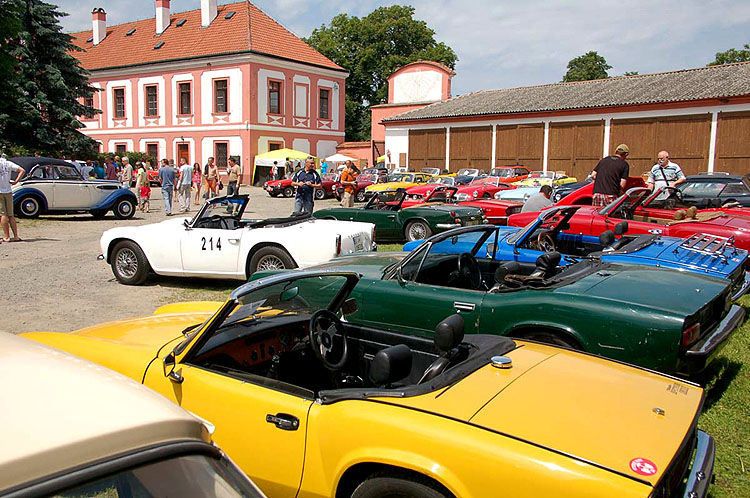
(58, 411)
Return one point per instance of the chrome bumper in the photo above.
(100, 257)
(703, 467)
(448, 226)
(697, 357)
(743, 288)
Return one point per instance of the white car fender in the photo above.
(163, 258)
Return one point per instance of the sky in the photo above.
(511, 43)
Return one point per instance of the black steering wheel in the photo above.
(324, 327)
(468, 268)
(545, 242)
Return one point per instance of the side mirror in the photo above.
(169, 371)
(349, 307)
(289, 294)
(187, 224)
(400, 276)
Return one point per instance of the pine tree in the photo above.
(47, 84)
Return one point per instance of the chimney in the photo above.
(162, 16)
(99, 21)
(208, 12)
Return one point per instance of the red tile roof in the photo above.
(248, 30)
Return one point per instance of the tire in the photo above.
(396, 487)
(360, 196)
(129, 264)
(98, 213)
(288, 192)
(29, 206)
(320, 194)
(124, 209)
(552, 338)
(417, 230)
(269, 258)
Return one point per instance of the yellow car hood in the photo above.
(598, 411)
(382, 187)
(127, 346)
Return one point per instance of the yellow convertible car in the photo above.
(397, 181)
(310, 405)
(551, 178)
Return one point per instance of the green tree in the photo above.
(589, 66)
(47, 85)
(372, 48)
(732, 55)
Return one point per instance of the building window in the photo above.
(220, 96)
(152, 104)
(221, 151)
(152, 150)
(119, 102)
(274, 97)
(89, 102)
(324, 94)
(275, 146)
(120, 149)
(185, 99)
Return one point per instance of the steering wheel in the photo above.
(324, 327)
(468, 268)
(545, 242)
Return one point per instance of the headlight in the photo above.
(499, 194)
(462, 197)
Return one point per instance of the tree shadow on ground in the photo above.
(717, 377)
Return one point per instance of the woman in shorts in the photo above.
(197, 182)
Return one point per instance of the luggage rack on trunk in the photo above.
(711, 245)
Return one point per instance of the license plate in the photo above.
(358, 245)
(472, 222)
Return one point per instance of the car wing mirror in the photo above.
(168, 365)
(349, 307)
(187, 224)
(289, 294)
(400, 277)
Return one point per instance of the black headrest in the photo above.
(500, 274)
(512, 267)
(449, 333)
(606, 238)
(547, 263)
(390, 364)
(621, 228)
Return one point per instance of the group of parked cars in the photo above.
(536, 353)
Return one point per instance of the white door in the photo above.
(71, 191)
(211, 251)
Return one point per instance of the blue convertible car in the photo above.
(705, 254)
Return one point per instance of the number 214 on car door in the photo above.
(210, 250)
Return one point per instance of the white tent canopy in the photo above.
(340, 158)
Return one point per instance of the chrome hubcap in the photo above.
(417, 231)
(29, 207)
(125, 208)
(126, 263)
(270, 262)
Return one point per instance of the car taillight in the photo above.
(338, 245)
(691, 334)
(453, 214)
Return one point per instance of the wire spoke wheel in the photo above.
(270, 262)
(127, 263)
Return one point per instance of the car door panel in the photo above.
(244, 415)
(210, 251)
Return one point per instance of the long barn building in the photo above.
(701, 116)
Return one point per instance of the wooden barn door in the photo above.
(471, 148)
(733, 143)
(575, 148)
(426, 148)
(520, 144)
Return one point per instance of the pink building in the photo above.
(221, 81)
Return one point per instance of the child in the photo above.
(145, 194)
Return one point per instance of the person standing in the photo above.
(324, 167)
(288, 168)
(86, 171)
(184, 183)
(211, 173)
(349, 183)
(306, 180)
(127, 172)
(610, 176)
(142, 187)
(167, 176)
(538, 201)
(99, 172)
(7, 216)
(110, 171)
(197, 182)
(274, 170)
(665, 173)
(233, 177)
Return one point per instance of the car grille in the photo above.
(738, 279)
(674, 479)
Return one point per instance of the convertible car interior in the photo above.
(320, 356)
(225, 213)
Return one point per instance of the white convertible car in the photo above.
(218, 243)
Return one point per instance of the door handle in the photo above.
(464, 306)
(234, 241)
(391, 215)
(283, 421)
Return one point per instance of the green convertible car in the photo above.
(662, 319)
(394, 223)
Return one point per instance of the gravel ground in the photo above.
(51, 280)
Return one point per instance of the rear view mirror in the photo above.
(349, 307)
(400, 276)
(289, 294)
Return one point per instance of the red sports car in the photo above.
(510, 174)
(495, 211)
(363, 181)
(482, 188)
(652, 212)
(329, 184)
(279, 187)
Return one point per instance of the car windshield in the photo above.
(216, 212)
(468, 172)
(545, 217)
(503, 172)
(702, 189)
(541, 174)
(330, 177)
(189, 476)
(367, 178)
(403, 177)
(486, 181)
